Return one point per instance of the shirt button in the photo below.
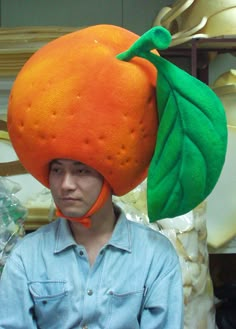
(85, 327)
(90, 292)
(81, 253)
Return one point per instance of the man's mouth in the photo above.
(70, 199)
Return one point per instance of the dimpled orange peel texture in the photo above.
(74, 99)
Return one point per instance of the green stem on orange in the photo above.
(156, 38)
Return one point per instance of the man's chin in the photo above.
(73, 214)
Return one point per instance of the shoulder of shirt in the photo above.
(145, 231)
(40, 233)
(153, 241)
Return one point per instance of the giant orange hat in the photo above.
(102, 95)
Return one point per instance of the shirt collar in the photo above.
(120, 237)
(64, 237)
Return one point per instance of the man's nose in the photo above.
(68, 181)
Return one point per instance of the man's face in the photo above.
(74, 186)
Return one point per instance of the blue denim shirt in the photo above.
(135, 281)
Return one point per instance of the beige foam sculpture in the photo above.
(198, 19)
(17, 44)
(221, 203)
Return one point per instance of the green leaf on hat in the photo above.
(192, 135)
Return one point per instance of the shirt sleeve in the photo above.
(163, 304)
(17, 307)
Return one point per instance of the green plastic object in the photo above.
(192, 134)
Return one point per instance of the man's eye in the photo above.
(55, 170)
(82, 171)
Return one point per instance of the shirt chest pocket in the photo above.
(51, 304)
(125, 308)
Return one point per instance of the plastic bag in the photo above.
(12, 216)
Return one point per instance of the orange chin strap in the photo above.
(85, 220)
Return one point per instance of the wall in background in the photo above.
(0, 13)
(136, 15)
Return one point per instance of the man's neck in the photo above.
(95, 237)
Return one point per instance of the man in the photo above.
(114, 274)
(86, 127)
